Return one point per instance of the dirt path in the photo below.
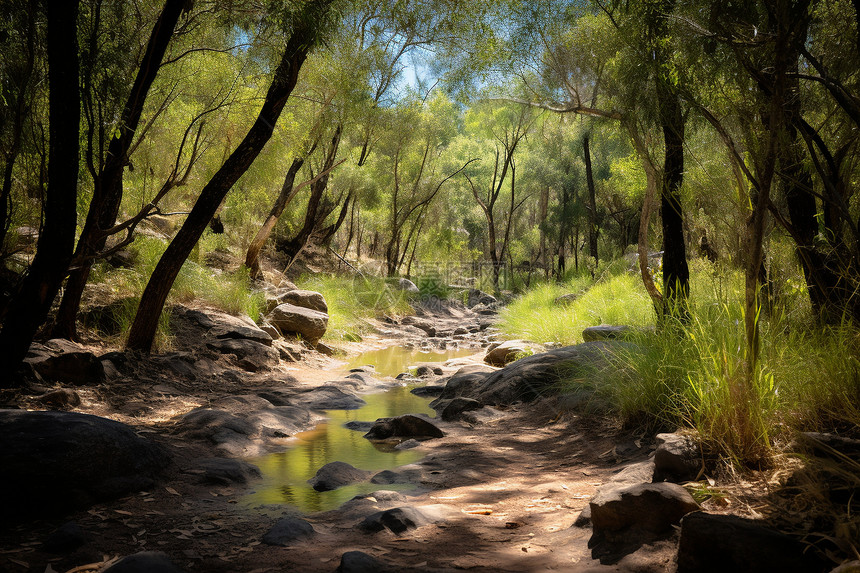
(505, 493)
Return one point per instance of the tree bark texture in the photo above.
(154, 296)
(30, 305)
(108, 190)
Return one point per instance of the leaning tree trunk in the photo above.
(107, 194)
(30, 305)
(252, 258)
(301, 40)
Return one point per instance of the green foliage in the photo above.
(617, 299)
(353, 300)
(693, 375)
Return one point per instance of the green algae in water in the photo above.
(285, 474)
(393, 360)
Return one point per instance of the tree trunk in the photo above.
(544, 207)
(301, 40)
(107, 194)
(592, 200)
(676, 274)
(252, 258)
(313, 218)
(30, 305)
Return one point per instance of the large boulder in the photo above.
(305, 299)
(337, 474)
(533, 376)
(309, 324)
(718, 543)
(327, 397)
(463, 383)
(627, 517)
(55, 461)
(77, 368)
(251, 356)
(405, 426)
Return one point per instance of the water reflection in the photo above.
(285, 474)
(393, 360)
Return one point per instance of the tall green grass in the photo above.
(351, 301)
(617, 299)
(227, 291)
(696, 375)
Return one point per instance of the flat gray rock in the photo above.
(396, 520)
(309, 324)
(226, 471)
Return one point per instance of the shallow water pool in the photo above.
(285, 474)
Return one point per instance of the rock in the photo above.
(463, 382)
(428, 391)
(61, 398)
(484, 309)
(584, 517)
(225, 471)
(76, 368)
(627, 517)
(144, 562)
(65, 539)
(358, 562)
(677, 458)
(457, 406)
(423, 324)
(718, 543)
(246, 333)
(269, 329)
(244, 433)
(631, 474)
(357, 426)
(424, 371)
(477, 297)
(337, 474)
(309, 324)
(533, 376)
(396, 520)
(408, 286)
(407, 444)
(607, 332)
(252, 356)
(566, 299)
(406, 426)
(408, 474)
(507, 352)
(288, 530)
(55, 461)
(323, 348)
(327, 398)
(305, 299)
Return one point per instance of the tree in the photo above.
(307, 24)
(31, 303)
(108, 188)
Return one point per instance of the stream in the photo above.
(285, 474)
